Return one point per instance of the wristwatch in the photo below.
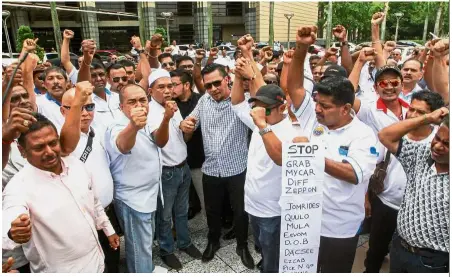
(141, 51)
(265, 130)
(344, 43)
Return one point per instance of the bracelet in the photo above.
(6, 142)
(86, 63)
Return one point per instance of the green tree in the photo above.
(24, 33)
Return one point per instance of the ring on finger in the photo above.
(26, 123)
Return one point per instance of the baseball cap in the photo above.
(334, 70)
(387, 68)
(157, 74)
(270, 95)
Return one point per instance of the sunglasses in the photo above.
(123, 78)
(215, 84)
(168, 64)
(384, 83)
(188, 66)
(269, 82)
(87, 107)
(95, 75)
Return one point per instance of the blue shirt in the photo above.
(136, 175)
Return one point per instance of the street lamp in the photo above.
(288, 16)
(5, 15)
(167, 16)
(398, 15)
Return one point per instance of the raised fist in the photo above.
(156, 41)
(288, 56)
(138, 117)
(200, 54)
(389, 46)
(306, 35)
(340, 33)
(440, 47)
(68, 34)
(170, 109)
(9, 72)
(88, 49)
(83, 91)
(258, 115)
(266, 53)
(243, 68)
(245, 44)
(136, 43)
(29, 45)
(377, 18)
(367, 54)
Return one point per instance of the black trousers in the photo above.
(193, 198)
(336, 255)
(111, 255)
(215, 189)
(383, 225)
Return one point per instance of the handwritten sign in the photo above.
(301, 207)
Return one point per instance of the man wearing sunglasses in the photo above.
(38, 78)
(117, 77)
(166, 62)
(129, 66)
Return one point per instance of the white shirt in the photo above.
(73, 75)
(175, 50)
(366, 84)
(175, 150)
(106, 112)
(65, 216)
(407, 96)
(99, 164)
(343, 202)
(263, 176)
(191, 53)
(136, 174)
(51, 110)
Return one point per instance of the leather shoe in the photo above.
(210, 251)
(245, 256)
(172, 261)
(229, 235)
(192, 251)
(259, 265)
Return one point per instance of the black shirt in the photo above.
(195, 148)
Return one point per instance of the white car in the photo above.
(7, 59)
(351, 46)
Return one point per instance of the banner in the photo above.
(301, 207)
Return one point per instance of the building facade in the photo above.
(112, 24)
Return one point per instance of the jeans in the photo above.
(383, 225)
(426, 261)
(175, 186)
(336, 255)
(266, 234)
(138, 231)
(214, 193)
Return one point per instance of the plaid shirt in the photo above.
(224, 137)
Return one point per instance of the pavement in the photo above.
(226, 260)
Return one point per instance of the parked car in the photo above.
(7, 59)
(351, 45)
(227, 47)
(409, 43)
(51, 56)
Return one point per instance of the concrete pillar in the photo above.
(148, 20)
(250, 19)
(202, 23)
(17, 18)
(90, 26)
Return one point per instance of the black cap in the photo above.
(334, 70)
(387, 68)
(270, 95)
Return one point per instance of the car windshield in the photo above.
(51, 56)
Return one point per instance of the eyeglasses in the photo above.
(168, 64)
(176, 84)
(213, 84)
(87, 107)
(123, 78)
(95, 75)
(269, 82)
(384, 83)
(187, 66)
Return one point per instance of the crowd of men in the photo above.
(135, 150)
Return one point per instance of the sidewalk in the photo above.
(226, 260)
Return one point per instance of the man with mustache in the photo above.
(80, 140)
(411, 75)
(164, 120)
(29, 214)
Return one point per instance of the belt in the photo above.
(417, 250)
(176, 166)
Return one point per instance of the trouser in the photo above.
(111, 255)
(336, 255)
(214, 193)
(175, 187)
(266, 236)
(383, 225)
(138, 231)
(424, 261)
(196, 192)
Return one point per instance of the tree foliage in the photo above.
(24, 33)
(162, 31)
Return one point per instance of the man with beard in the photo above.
(411, 75)
(421, 242)
(185, 63)
(29, 214)
(225, 165)
(80, 140)
(117, 77)
(129, 66)
(164, 121)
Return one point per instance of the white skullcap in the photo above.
(157, 74)
(397, 51)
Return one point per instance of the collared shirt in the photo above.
(136, 174)
(106, 112)
(65, 216)
(366, 85)
(354, 143)
(73, 75)
(175, 150)
(263, 176)
(378, 116)
(423, 219)
(99, 164)
(37, 92)
(224, 137)
(407, 96)
(50, 108)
